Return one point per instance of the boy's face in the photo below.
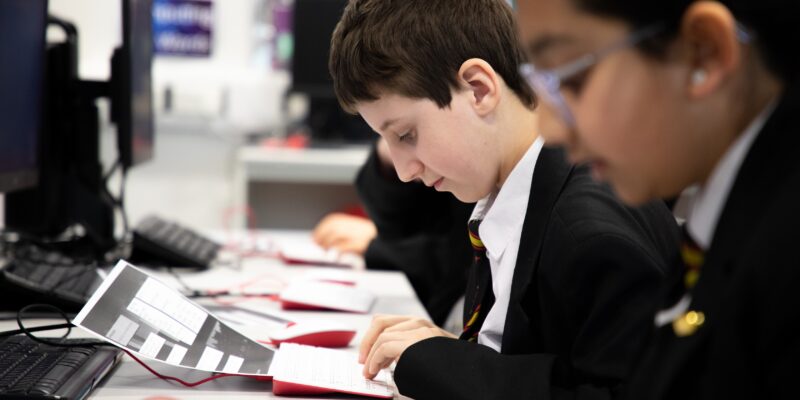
(449, 149)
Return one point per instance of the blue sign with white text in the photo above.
(183, 27)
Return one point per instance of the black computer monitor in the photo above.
(314, 22)
(313, 25)
(22, 54)
(132, 97)
(72, 187)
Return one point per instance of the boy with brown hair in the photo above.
(565, 278)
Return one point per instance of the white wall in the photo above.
(215, 100)
(99, 23)
(232, 85)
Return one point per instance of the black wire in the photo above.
(111, 171)
(121, 202)
(68, 325)
(180, 280)
(37, 329)
(87, 343)
(121, 250)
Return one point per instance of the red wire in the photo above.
(227, 215)
(179, 380)
(242, 286)
(238, 300)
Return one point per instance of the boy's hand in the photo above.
(346, 233)
(389, 336)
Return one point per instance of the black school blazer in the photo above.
(749, 287)
(585, 287)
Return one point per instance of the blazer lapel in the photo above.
(549, 178)
(770, 161)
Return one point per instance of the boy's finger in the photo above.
(410, 324)
(379, 324)
(383, 357)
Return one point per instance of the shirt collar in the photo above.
(503, 212)
(708, 201)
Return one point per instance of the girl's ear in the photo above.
(714, 48)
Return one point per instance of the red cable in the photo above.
(227, 215)
(179, 380)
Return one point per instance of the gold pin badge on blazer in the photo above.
(688, 323)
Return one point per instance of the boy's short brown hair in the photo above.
(415, 48)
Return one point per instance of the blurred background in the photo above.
(246, 129)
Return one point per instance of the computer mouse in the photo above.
(320, 335)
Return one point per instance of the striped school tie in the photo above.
(692, 257)
(479, 298)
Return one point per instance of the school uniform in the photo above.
(581, 296)
(731, 330)
(420, 232)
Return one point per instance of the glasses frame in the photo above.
(546, 83)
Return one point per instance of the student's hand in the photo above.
(389, 336)
(344, 232)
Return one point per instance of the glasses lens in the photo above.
(547, 88)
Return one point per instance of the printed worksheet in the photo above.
(138, 312)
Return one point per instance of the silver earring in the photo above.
(699, 76)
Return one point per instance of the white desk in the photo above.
(294, 188)
(131, 381)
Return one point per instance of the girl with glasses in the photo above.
(660, 97)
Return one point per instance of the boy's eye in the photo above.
(405, 137)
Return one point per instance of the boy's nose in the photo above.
(409, 170)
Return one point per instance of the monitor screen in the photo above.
(23, 25)
(135, 121)
(314, 22)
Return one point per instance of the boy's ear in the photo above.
(478, 77)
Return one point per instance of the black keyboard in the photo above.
(166, 243)
(29, 369)
(32, 275)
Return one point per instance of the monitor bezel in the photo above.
(28, 177)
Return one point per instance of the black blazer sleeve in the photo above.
(420, 232)
(610, 292)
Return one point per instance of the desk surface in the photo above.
(131, 381)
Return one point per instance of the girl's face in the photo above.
(635, 119)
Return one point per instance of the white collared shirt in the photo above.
(707, 202)
(503, 214)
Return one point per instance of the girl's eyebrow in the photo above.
(545, 43)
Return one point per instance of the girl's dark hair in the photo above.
(773, 24)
